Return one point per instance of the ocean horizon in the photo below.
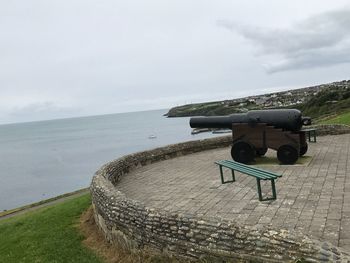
(44, 159)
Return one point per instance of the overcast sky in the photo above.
(79, 57)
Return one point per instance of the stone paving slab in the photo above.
(313, 199)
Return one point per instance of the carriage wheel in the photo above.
(242, 152)
(303, 149)
(261, 151)
(287, 154)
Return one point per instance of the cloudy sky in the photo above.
(80, 57)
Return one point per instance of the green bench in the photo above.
(258, 173)
(310, 132)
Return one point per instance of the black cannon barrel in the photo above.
(288, 119)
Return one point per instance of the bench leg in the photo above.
(259, 189)
(233, 176)
(222, 176)
(315, 136)
(274, 195)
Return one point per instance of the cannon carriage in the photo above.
(254, 132)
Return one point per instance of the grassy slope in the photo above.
(327, 103)
(51, 235)
(340, 119)
(46, 235)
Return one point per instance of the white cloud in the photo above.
(319, 41)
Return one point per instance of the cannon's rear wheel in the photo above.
(261, 151)
(287, 154)
(303, 149)
(242, 152)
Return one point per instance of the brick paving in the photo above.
(312, 198)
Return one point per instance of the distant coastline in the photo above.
(334, 93)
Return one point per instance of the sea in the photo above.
(40, 160)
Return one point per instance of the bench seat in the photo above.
(258, 173)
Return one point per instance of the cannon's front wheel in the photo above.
(242, 152)
(261, 151)
(303, 149)
(287, 154)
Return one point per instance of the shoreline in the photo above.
(42, 203)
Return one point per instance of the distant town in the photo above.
(287, 98)
(284, 99)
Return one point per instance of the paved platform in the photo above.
(312, 198)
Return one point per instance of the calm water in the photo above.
(40, 160)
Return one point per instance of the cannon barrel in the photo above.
(288, 119)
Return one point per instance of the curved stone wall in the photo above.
(331, 129)
(133, 225)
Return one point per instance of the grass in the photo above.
(46, 235)
(64, 233)
(43, 202)
(343, 118)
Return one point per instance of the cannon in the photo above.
(254, 132)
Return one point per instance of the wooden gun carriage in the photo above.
(255, 132)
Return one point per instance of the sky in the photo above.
(62, 59)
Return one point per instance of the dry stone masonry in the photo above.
(132, 224)
(333, 129)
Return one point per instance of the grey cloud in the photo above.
(310, 59)
(319, 41)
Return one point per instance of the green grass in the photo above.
(343, 118)
(18, 209)
(46, 235)
(51, 235)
